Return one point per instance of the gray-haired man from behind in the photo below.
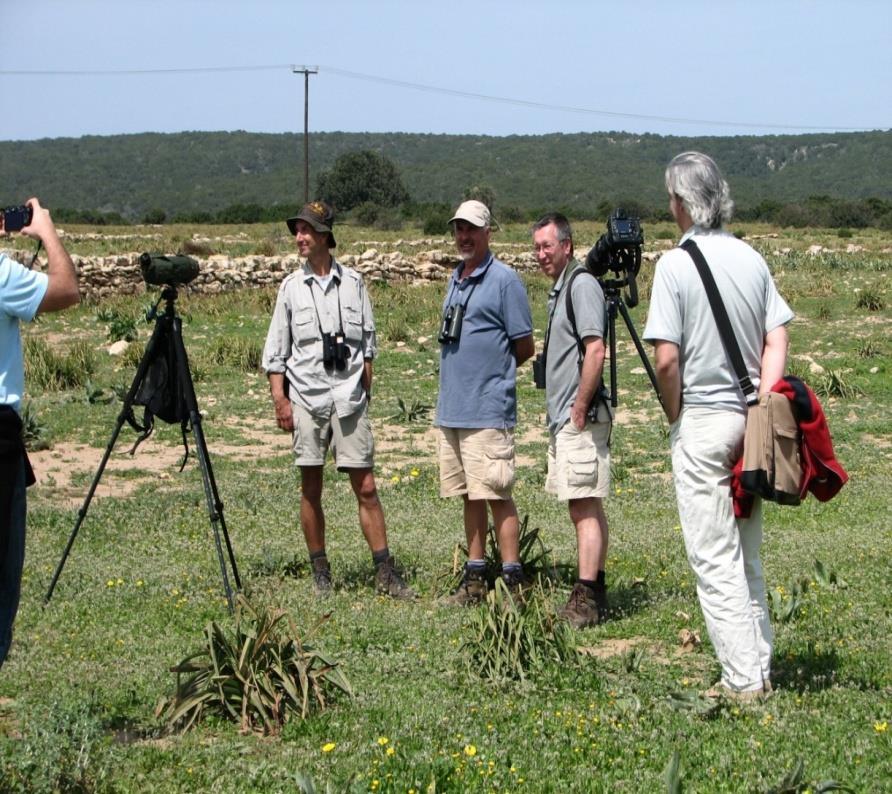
(707, 412)
(579, 420)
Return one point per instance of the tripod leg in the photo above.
(141, 370)
(215, 505)
(640, 348)
(611, 343)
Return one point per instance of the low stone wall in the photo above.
(104, 276)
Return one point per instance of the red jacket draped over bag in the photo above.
(822, 473)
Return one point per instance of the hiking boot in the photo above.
(518, 584)
(601, 602)
(388, 581)
(322, 586)
(581, 610)
(472, 590)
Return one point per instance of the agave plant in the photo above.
(510, 638)
(260, 676)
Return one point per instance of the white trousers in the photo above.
(722, 550)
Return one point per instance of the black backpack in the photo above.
(161, 396)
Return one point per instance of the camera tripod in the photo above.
(616, 304)
(167, 337)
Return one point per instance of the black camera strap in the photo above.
(726, 332)
(566, 289)
(452, 289)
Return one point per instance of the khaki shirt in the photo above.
(294, 340)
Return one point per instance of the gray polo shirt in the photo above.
(294, 341)
(680, 312)
(478, 372)
(562, 355)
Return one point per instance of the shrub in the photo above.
(870, 300)
(265, 248)
(197, 248)
(436, 221)
(120, 325)
(49, 370)
(33, 430)
(260, 676)
(844, 233)
(236, 352)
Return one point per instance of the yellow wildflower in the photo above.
(382, 740)
(881, 727)
(328, 747)
(470, 750)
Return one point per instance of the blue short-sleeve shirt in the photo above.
(21, 292)
(478, 372)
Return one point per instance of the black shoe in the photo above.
(517, 582)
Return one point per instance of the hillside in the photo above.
(193, 171)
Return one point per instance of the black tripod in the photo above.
(167, 337)
(615, 303)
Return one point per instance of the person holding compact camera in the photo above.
(24, 293)
(318, 359)
(579, 420)
(706, 409)
(486, 333)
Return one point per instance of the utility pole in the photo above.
(306, 71)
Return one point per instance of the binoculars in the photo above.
(450, 331)
(334, 350)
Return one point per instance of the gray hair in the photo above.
(697, 181)
(561, 225)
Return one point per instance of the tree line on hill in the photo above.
(385, 180)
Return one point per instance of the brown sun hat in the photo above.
(319, 215)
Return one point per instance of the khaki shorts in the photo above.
(579, 462)
(476, 463)
(350, 438)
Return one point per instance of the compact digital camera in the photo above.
(16, 218)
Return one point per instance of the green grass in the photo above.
(142, 582)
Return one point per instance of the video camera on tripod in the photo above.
(618, 250)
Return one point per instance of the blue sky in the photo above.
(682, 68)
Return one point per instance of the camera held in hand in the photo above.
(334, 350)
(539, 371)
(450, 331)
(16, 218)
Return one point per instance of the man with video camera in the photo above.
(486, 333)
(24, 293)
(579, 420)
(706, 409)
(318, 358)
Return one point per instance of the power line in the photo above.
(434, 90)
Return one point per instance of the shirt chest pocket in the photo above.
(303, 325)
(352, 323)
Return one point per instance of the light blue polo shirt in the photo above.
(21, 291)
(478, 372)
